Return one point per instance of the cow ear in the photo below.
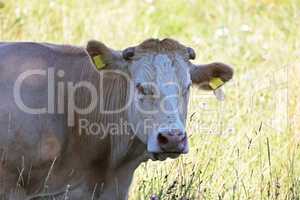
(103, 56)
(211, 76)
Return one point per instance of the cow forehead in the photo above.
(168, 73)
(162, 69)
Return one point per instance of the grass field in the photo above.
(246, 147)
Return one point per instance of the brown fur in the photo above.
(161, 45)
(65, 157)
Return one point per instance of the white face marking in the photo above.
(161, 100)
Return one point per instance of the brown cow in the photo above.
(77, 122)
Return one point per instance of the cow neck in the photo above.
(113, 94)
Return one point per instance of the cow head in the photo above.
(161, 75)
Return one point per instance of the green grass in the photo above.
(246, 147)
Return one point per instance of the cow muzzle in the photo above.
(174, 141)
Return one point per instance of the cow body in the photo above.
(53, 101)
(40, 153)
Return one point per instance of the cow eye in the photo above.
(144, 90)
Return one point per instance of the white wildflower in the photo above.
(222, 32)
(245, 28)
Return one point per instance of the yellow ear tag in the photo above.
(216, 83)
(98, 62)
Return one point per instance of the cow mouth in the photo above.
(164, 155)
(170, 154)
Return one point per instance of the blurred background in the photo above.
(246, 147)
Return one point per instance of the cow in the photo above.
(77, 121)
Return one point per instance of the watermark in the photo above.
(64, 97)
(124, 127)
(84, 97)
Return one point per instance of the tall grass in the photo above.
(246, 147)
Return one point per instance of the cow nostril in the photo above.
(162, 139)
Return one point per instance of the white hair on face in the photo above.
(143, 70)
(169, 72)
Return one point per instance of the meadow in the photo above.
(246, 147)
